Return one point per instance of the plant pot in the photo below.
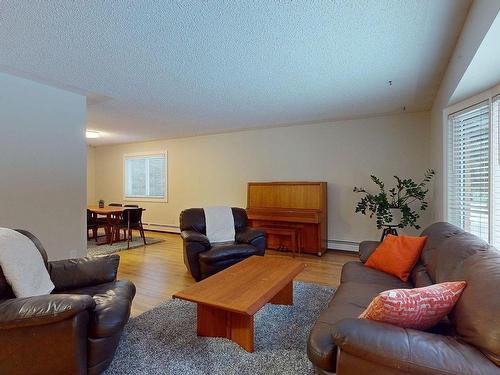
(396, 216)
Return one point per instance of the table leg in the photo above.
(117, 233)
(214, 322)
(284, 296)
(109, 228)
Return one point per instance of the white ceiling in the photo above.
(167, 69)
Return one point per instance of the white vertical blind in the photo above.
(145, 176)
(495, 171)
(469, 169)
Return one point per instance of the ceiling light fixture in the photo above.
(92, 134)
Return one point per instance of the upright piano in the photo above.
(300, 207)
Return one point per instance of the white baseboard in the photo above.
(332, 244)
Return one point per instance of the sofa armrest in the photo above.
(193, 236)
(40, 310)
(247, 234)
(194, 243)
(254, 237)
(408, 350)
(70, 274)
(366, 248)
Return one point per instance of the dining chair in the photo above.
(132, 206)
(93, 224)
(131, 219)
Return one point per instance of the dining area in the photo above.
(114, 220)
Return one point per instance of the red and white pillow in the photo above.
(419, 308)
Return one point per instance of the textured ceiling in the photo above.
(171, 69)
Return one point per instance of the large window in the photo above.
(145, 176)
(474, 170)
(468, 169)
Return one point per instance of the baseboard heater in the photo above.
(343, 245)
(332, 244)
(169, 228)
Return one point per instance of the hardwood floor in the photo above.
(158, 270)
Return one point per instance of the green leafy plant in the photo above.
(407, 195)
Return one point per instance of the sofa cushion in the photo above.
(113, 301)
(366, 248)
(436, 234)
(211, 269)
(359, 273)
(227, 251)
(446, 261)
(477, 314)
(397, 255)
(349, 301)
(419, 276)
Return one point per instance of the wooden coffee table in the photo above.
(228, 300)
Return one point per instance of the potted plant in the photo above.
(397, 206)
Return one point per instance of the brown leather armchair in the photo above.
(203, 259)
(74, 330)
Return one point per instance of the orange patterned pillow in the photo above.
(419, 308)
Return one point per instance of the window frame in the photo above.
(488, 96)
(124, 177)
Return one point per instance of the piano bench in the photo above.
(293, 233)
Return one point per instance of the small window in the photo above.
(145, 176)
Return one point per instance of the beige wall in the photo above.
(42, 168)
(215, 169)
(90, 175)
(479, 19)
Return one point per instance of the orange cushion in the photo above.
(419, 308)
(397, 255)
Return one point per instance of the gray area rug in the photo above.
(164, 341)
(93, 249)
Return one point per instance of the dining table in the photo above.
(112, 213)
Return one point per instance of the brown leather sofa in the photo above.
(74, 330)
(203, 259)
(467, 342)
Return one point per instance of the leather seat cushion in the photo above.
(113, 302)
(211, 269)
(227, 251)
(357, 272)
(349, 301)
